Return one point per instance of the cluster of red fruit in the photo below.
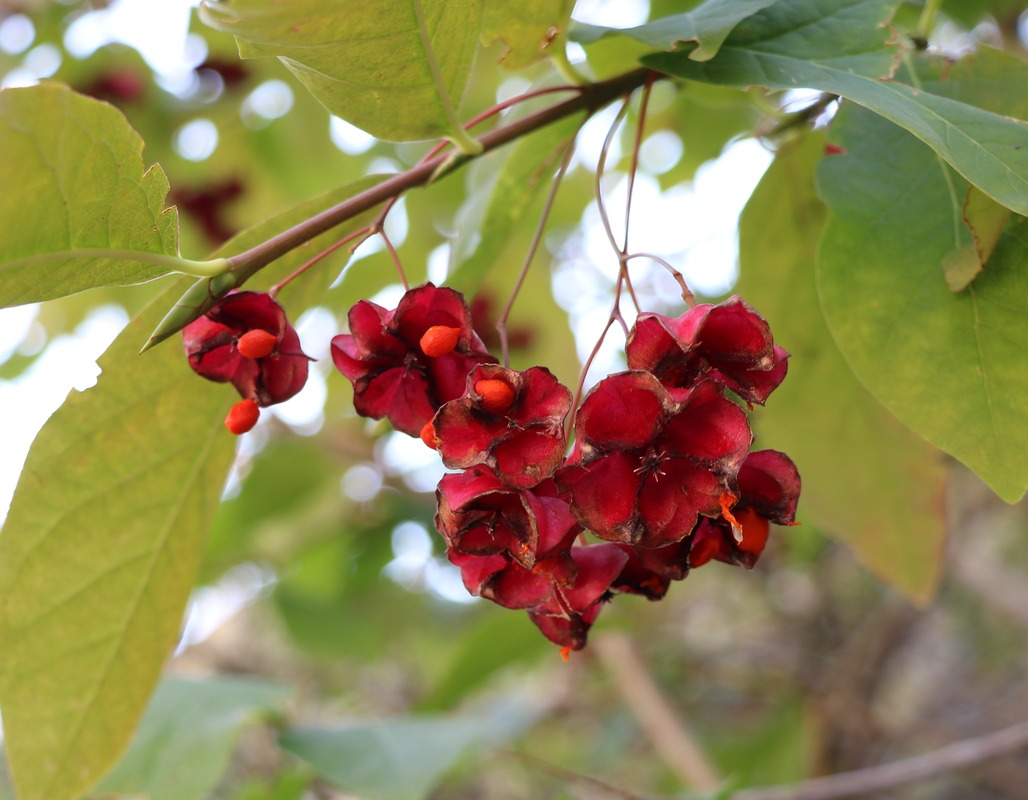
(660, 471)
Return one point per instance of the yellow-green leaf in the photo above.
(395, 69)
(867, 480)
(99, 554)
(949, 364)
(78, 209)
(530, 30)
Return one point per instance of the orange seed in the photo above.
(242, 416)
(428, 434)
(256, 343)
(439, 340)
(497, 396)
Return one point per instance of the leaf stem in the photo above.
(185, 266)
(927, 18)
(465, 143)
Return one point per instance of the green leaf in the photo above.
(121, 485)
(530, 30)
(78, 201)
(402, 758)
(707, 26)
(188, 736)
(844, 47)
(382, 65)
(98, 556)
(949, 365)
(493, 211)
(867, 480)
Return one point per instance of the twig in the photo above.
(666, 733)
(967, 753)
(501, 324)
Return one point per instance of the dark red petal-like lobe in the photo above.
(401, 394)
(605, 495)
(622, 412)
(770, 484)
(245, 311)
(756, 385)
(670, 503)
(525, 458)
(424, 306)
(368, 323)
(734, 333)
(710, 429)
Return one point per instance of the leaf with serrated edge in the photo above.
(99, 554)
(365, 62)
(707, 25)
(867, 480)
(76, 190)
(530, 29)
(843, 47)
(950, 365)
(187, 736)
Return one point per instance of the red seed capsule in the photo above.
(497, 396)
(439, 340)
(242, 416)
(256, 343)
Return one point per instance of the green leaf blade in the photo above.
(98, 557)
(948, 364)
(188, 734)
(707, 26)
(867, 480)
(530, 30)
(845, 48)
(84, 203)
(367, 62)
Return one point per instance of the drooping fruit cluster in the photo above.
(247, 341)
(661, 471)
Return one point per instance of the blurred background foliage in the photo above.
(325, 599)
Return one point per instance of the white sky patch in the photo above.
(28, 401)
(414, 567)
(196, 140)
(271, 100)
(211, 606)
(349, 138)
(362, 482)
(156, 29)
(16, 34)
(43, 61)
(612, 13)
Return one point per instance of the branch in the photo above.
(589, 100)
(669, 737)
(862, 782)
(204, 294)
